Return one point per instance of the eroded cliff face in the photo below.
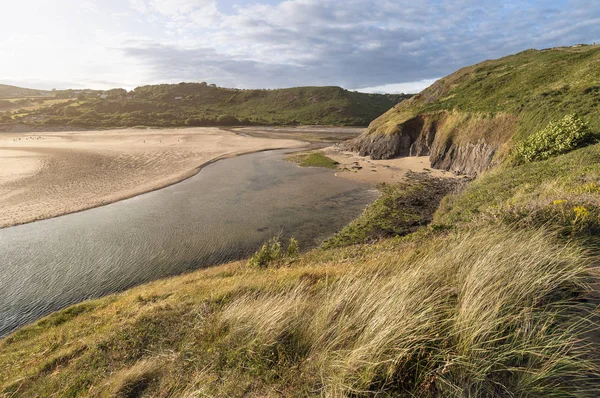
(459, 142)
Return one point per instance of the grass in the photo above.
(474, 305)
(401, 209)
(561, 191)
(433, 319)
(313, 159)
(496, 297)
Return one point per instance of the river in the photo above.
(223, 213)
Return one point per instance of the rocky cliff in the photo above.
(463, 143)
(467, 121)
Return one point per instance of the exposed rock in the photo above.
(470, 159)
(420, 136)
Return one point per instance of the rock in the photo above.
(419, 137)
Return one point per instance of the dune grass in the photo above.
(492, 312)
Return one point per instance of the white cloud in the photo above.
(400, 88)
(384, 45)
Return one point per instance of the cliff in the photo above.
(468, 121)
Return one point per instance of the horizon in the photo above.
(366, 46)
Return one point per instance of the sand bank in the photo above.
(365, 169)
(47, 174)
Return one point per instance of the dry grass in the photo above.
(479, 314)
(492, 312)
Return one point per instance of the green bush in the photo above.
(271, 253)
(293, 249)
(557, 138)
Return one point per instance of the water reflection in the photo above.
(223, 213)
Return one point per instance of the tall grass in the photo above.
(488, 313)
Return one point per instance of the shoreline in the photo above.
(176, 180)
(48, 175)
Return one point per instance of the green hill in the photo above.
(470, 119)
(7, 91)
(201, 104)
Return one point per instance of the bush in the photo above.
(271, 253)
(557, 138)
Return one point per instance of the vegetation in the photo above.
(401, 209)
(480, 303)
(314, 159)
(201, 104)
(558, 137)
(7, 91)
(561, 191)
(495, 297)
(271, 253)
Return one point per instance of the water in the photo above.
(223, 213)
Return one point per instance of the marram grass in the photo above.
(490, 312)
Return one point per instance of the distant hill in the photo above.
(202, 104)
(470, 119)
(7, 91)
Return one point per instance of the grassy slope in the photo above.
(526, 91)
(200, 104)
(484, 306)
(7, 91)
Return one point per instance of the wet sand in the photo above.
(365, 169)
(47, 174)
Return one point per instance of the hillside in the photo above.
(470, 119)
(201, 104)
(7, 91)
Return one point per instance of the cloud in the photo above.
(375, 44)
(360, 43)
(400, 88)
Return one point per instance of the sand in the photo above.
(47, 174)
(365, 169)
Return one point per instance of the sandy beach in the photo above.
(365, 169)
(47, 174)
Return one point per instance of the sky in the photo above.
(365, 45)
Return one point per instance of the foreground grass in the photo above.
(313, 159)
(485, 313)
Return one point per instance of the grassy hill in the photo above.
(470, 119)
(7, 91)
(201, 104)
(492, 294)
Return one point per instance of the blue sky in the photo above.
(372, 45)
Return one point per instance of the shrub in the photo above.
(293, 249)
(271, 253)
(557, 138)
